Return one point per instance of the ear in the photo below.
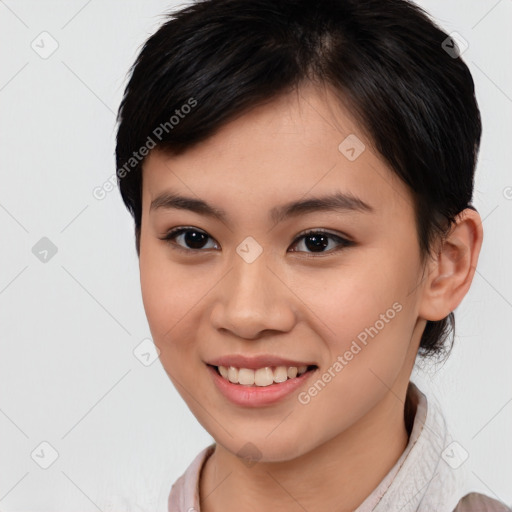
(450, 274)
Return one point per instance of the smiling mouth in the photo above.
(262, 377)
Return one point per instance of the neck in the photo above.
(337, 475)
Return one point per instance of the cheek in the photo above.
(172, 295)
(169, 317)
(347, 300)
(163, 292)
(364, 311)
(368, 339)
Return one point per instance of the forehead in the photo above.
(302, 144)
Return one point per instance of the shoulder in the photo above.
(184, 493)
(475, 502)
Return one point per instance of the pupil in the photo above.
(194, 239)
(319, 242)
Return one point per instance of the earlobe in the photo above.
(450, 274)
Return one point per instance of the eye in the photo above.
(314, 240)
(193, 237)
(317, 240)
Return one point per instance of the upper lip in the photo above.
(255, 362)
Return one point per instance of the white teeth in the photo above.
(233, 375)
(292, 372)
(262, 376)
(281, 374)
(246, 377)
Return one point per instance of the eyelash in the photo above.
(174, 233)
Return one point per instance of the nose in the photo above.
(252, 299)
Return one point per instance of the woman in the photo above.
(300, 174)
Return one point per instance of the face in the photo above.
(345, 300)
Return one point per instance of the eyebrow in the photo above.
(338, 201)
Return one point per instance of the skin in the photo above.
(331, 453)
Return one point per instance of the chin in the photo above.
(263, 448)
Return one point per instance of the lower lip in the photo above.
(257, 396)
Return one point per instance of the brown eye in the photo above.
(193, 239)
(190, 239)
(317, 241)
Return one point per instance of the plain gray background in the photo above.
(115, 431)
